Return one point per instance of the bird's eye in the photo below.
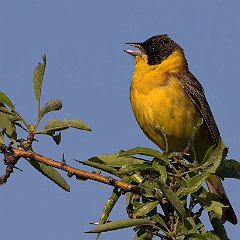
(152, 48)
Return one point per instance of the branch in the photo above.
(16, 154)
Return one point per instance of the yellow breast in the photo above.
(158, 99)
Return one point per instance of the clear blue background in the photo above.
(88, 70)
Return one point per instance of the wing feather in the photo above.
(195, 91)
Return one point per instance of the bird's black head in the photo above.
(157, 48)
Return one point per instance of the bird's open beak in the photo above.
(135, 52)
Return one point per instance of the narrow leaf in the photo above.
(147, 192)
(52, 105)
(173, 199)
(38, 78)
(134, 168)
(99, 166)
(108, 207)
(144, 209)
(115, 160)
(5, 99)
(143, 234)
(142, 151)
(194, 184)
(213, 157)
(159, 219)
(162, 170)
(194, 133)
(5, 110)
(211, 236)
(121, 224)
(194, 236)
(51, 173)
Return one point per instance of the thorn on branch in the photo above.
(111, 180)
(19, 169)
(63, 160)
(70, 174)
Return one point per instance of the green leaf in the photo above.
(191, 224)
(162, 170)
(194, 133)
(211, 236)
(136, 177)
(173, 199)
(38, 78)
(108, 207)
(142, 151)
(50, 173)
(128, 198)
(147, 192)
(52, 105)
(209, 201)
(5, 99)
(150, 184)
(7, 126)
(159, 219)
(59, 125)
(4, 121)
(142, 234)
(110, 226)
(144, 209)
(216, 207)
(5, 110)
(195, 236)
(99, 166)
(213, 157)
(125, 169)
(114, 160)
(229, 169)
(194, 184)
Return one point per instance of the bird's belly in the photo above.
(168, 107)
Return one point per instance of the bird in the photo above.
(164, 94)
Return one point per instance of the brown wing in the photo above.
(195, 91)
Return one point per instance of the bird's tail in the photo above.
(215, 185)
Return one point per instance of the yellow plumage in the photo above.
(158, 99)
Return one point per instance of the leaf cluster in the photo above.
(172, 196)
(11, 119)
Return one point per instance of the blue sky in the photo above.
(88, 70)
